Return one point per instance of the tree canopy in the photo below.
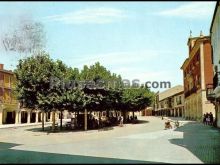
(94, 87)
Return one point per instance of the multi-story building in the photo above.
(197, 73)
(8, 103)
(170, 102)
(214, 97)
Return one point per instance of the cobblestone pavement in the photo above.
(146, 142)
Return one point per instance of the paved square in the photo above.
(146, 142)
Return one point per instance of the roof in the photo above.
(197, 41)
(213, 18)
(6, 71)
(171, 92)
(186, 60)
(191, 38)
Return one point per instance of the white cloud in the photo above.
(95, 15)
(195, 10)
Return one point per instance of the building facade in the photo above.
(197, 73)
(170, 102)
(213, 90)
(149, 111)
(8, 104)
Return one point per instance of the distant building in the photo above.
(214, 96)
(149, 111)
(170, 102)
(197, 73)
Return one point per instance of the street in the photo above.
(146, 142)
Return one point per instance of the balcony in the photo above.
(210, 95)
(216, 85)
(216, 80)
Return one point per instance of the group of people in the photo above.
(208, 118)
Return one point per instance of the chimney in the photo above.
(1, 66)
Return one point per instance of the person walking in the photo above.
(211, 118)
(121, 121)
(204, 118)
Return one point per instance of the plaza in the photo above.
(146, 142)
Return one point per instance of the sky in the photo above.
(138, 40)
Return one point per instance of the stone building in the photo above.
(197, 73)
(8, 104)
(170, 102)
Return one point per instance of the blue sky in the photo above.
(139, 40)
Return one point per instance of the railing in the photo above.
(209, 92)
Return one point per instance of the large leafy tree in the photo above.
(34, 89)
(95, 88)
(99, 88)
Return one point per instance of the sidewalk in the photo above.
(22, 125)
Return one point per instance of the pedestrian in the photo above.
(208, 119)
(211, 118)
(204, 118)
(121, 121)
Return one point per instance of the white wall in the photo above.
(215, 40)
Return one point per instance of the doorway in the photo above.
(10, 118)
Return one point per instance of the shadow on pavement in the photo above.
(203, 141)
(142, 122)
(47, 129)
(8, 155)
(5, 146)
(65, 130)
(106, 129)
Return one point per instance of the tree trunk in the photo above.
(77, 118)
(42, 120)
(61, 120)
(133, 114)
(124, 116)
(85, 117)
(53, 120)
(107, 113)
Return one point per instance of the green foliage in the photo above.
(33, 87)
(135, 99)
